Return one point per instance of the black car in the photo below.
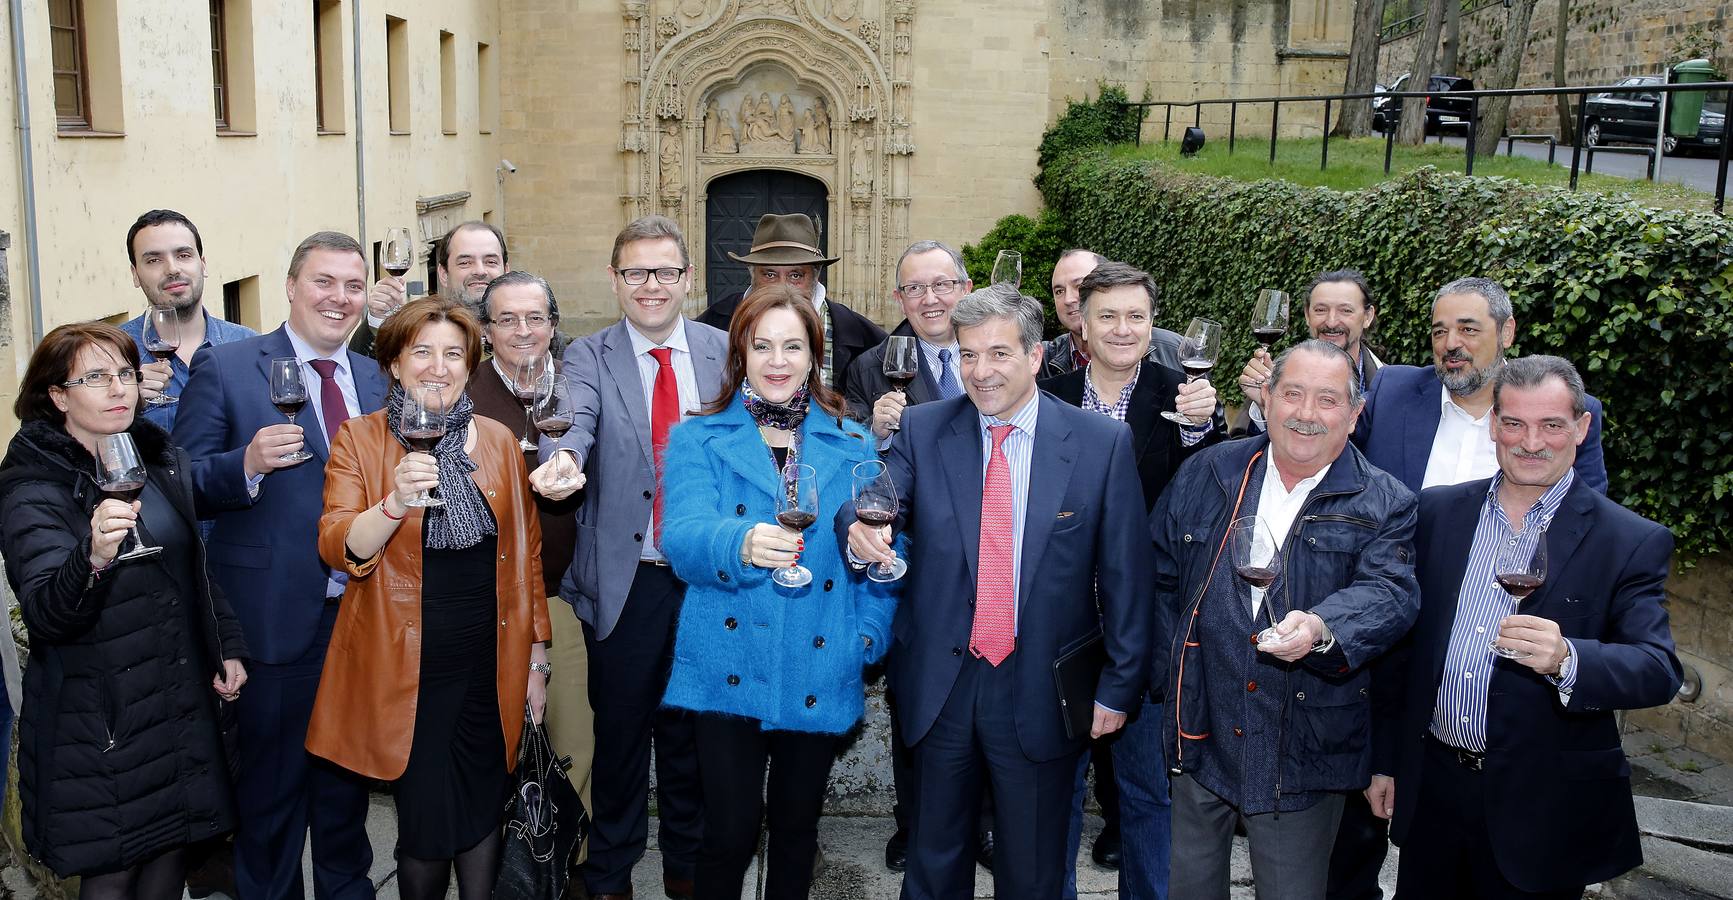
(1631, 117)
(1441, 112)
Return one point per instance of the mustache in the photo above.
(1328, 329)
(1543, 455)
(1457, 356)
(1301, 426)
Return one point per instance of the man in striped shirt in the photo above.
(1508, 776)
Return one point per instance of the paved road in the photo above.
(1692, 171)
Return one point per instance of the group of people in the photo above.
(360, 598)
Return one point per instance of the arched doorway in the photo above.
(735, 203)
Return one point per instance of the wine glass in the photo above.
(531, 380)
(796, 510)
(1520, 572)
(1270, 317)
(1008, 269)
(422, 424)
(553, 411)
(120, 473)
(902, 362)
(875, 504)
(288, 395)
(162, 338)
(1257, 561)
(1198, 351)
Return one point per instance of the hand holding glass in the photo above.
(875, 504)
(1198, 352)
(796, 510)
(121, 473)
(422, 424)
(902, 362)
(162, 338)
(1270, 317)
(288, 395)
(532, 380)
(1257, 560)
(1520, 574)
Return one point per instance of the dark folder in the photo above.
(1076, 674)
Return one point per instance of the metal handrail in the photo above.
(1474, 97)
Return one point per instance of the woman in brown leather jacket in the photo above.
(442, 634)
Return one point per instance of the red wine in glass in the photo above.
(396, 271)
(423, 440)
(1260, 577)
(162, 349)
(875, 505)
(290, 406)
(124, 491)
(1520, 574)
(1268, 336)
(901, 380)
(554, 428)
(121, 472)
(797, 510)
(1196, 368)
(1198, 351)
(1520, 585)
(876, 517)
(796, 519)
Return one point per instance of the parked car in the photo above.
(1441, 112)
(1631, 117)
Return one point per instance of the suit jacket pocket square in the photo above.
(1065, 515)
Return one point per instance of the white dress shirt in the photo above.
(1463, 449)
(685, 381)
(1278, 507)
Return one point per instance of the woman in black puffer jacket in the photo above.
(122, 757)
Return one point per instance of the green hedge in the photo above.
(1641, 299)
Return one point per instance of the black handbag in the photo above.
(544, 822)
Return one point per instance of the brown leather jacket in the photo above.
(364, 717)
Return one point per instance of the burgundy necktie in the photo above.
(664, 415)
(994, 634)
(331, 406)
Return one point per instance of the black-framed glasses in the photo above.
(510, 322)
(914, 290)
(103, 379)
(664, 275)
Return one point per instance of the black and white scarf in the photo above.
(464, 519)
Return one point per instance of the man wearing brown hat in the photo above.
(785, 251)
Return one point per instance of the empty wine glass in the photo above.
(422, 424)
(162, 338)
(288, 395)
(796, 510)
(1520, 572)
(1270, 317)
(902, 362)
(531, 380)
(1008, 269)
(121, 474)
(875, 504)
(1198, 352)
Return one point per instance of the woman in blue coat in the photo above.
(774, 673)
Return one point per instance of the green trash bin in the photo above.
(1685, 108)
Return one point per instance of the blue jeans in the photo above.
(1145, 808)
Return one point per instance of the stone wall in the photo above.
(1701, 607)
(1608, 40)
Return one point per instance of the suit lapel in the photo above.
(622, 366)
(960, 449)
(1144, 416)
(1419, 429)
(314, 439)
(1452, 539)
(706, 361)
(1565, 534)
(1049, 475)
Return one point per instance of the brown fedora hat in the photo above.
(790, 240)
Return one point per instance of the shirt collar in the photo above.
(818, 296)
(305, 352)
(642, 345)
(1543, 509)
(1023, 419)
(1305, 485)
(1448, 407)
(1124, 392)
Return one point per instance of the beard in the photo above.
(1469, 380)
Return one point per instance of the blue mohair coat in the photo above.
(746, 646)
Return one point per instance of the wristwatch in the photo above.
(544, 668)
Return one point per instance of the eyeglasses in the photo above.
(941, 288)
(665, 275)
(510, 322)
(104, 379)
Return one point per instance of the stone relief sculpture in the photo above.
(718, 132)
(673, 180)
(861, 174)
(785, 119)
(815, 129)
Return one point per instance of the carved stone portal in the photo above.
(805, 86)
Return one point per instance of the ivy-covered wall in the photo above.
(1607, 40)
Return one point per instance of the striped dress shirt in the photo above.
(1459, 713)
(1019, 450)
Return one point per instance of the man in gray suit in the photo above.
(630, 383)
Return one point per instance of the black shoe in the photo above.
(1106, 849)
(897, 850)
(984, 852)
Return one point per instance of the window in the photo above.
(328, 66)
(486, 89)
(71, 77)
(241, 302)
(397, 73)
(447, 82)
(219, 64)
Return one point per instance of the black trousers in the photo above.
(733, 753)
(1447, 854)
(973, 744)
(1362, 842)
(628, 673)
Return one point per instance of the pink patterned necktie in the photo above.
(994, 634)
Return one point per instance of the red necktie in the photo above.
(664, 415)
(331, 406)
(994, 634)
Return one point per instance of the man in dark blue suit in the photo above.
(1046, 565)
(263, 553)
(1428, 427)
(1474, 739)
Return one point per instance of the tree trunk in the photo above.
(1494, 110)
(1356, 118)
(1567, 123)
(1413, 128)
